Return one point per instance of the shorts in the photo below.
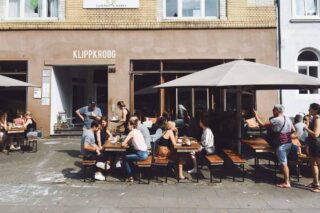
(314, 149)
(282, 153)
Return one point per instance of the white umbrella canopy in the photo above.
(10, 82)
(245, 74)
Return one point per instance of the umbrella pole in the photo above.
(239, 108)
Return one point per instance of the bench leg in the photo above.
(139, 175)
(84, 173)
(242, 166)
(210, 169)
(166, 173)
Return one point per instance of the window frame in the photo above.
(308, 64)
(180, 12)
(305, 17)
(22, 8)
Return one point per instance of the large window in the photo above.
(306, 8)
(191, 8)
(308, 64)
(26, 9)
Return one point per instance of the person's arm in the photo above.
(206, 140)
(128, 140)
(99, 138)
(27, 123)
(123, 115)
(78, 113)
(92, 148)
(316, 131)
(172, 138)
(261, 124)
(109, 133)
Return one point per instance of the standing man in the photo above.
(281, 124)
(89, 113)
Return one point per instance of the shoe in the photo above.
(99, 176)
(102, 165)
(130, 179)
(118, 164)
(12, 148)
(194, 170)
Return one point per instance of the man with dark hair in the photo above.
(89, 113)
(207, 143)
(91, 151)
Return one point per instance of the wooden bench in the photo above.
(144, 164)
(302, 158)
(162, 163)
(87, 164)
(236, 159)
(214, 160)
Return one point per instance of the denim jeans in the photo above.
(135, 156)
(282, 153)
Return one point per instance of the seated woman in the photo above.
(166, 143)
(103, 133)
(30, 125)
(140, 150)
(207, 143)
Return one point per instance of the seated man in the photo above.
(91, 151)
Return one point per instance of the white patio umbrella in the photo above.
(10, 82)
(243, 75)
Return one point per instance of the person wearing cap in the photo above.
(89, 113)
(282, 124)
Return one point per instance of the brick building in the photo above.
(115, 50)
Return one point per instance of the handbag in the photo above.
(273, 138)
(163, 152)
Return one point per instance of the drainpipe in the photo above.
(277, 4)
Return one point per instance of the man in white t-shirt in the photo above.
(282, 124)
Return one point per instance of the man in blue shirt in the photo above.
(89, 113)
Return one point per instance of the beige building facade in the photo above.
(113, 54)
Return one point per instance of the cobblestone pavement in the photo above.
(50, 181)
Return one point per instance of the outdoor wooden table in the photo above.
(116, 148)
(16, 133)
(181, 150)
(113, 147)
(260, 146)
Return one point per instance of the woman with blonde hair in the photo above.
(166, 143)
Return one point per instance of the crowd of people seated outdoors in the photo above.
(22, 121)
(138, 140)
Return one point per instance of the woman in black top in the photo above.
(103, 134)
(166, 143)
(125, 116)
(313, 148)
(30, 125)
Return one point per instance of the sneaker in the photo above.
(118, 164)
(130, 179)
(99, 176)
(194, 170)
(102, 165)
